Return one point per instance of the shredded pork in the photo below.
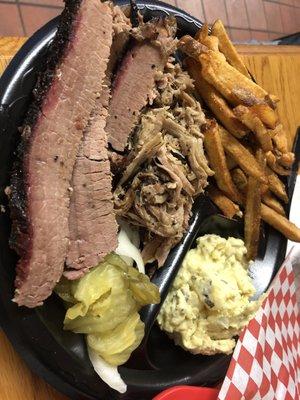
(168, 168)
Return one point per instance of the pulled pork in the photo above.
(168, 168)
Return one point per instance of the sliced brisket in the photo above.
(92, 224)
(135, 80)
(133, 84)
(64, 98)
(121, 33)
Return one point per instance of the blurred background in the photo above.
(260, 20)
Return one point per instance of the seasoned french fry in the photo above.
(273, 203)
(191, 47)
(215, 101)
(232, 84)
(279, 137)
(239, 179)
(280, 223)
(287, 159)
(227, 48)
(276, 185)
(211, 42)
(231, 163)
(242, 156)
(266, 114)
(264, 189)
(272, 162)
(249, 119)
(261, 159)
(228, 207)
(217, 161)
(272, 100)
(252, 217)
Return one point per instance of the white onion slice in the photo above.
(131, 230)
(109, 374)
(126, 249)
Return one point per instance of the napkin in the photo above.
(266, 362)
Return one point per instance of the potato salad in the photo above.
(210, 301)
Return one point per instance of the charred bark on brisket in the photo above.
(20, 233)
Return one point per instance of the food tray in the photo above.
(59, 356)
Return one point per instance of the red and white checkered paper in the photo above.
(266, 362)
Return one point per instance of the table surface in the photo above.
(276, 68)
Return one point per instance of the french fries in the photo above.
(261, 159)
(191, 47)
(227, 48)
(240, 179)
(248, 125)
(266, 114)
(232, 84)
(245, 115)
(279, 136)
(276, 185)
(228, 207)
(242, 156)
(231, 163)
(252, 217)
(211, 42)
(253, 210)
(215, 101)
(280, 223)
(217, 161)
(287, 159)
(273, 203)
(273, 164)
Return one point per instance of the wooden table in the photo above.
(274, 67)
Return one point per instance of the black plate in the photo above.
(60, 357)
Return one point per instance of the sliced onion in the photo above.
(109, 374)
(127, 250)
(132, 232)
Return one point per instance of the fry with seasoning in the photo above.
(216, 156)
(227, 48)
(242, 156)
(249, 119)
(215, 101)
(228, 207)
(252, 217)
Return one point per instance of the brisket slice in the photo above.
(64, 98)
(121, 33)
(92, 223)
(133, 85)
(135, 80)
